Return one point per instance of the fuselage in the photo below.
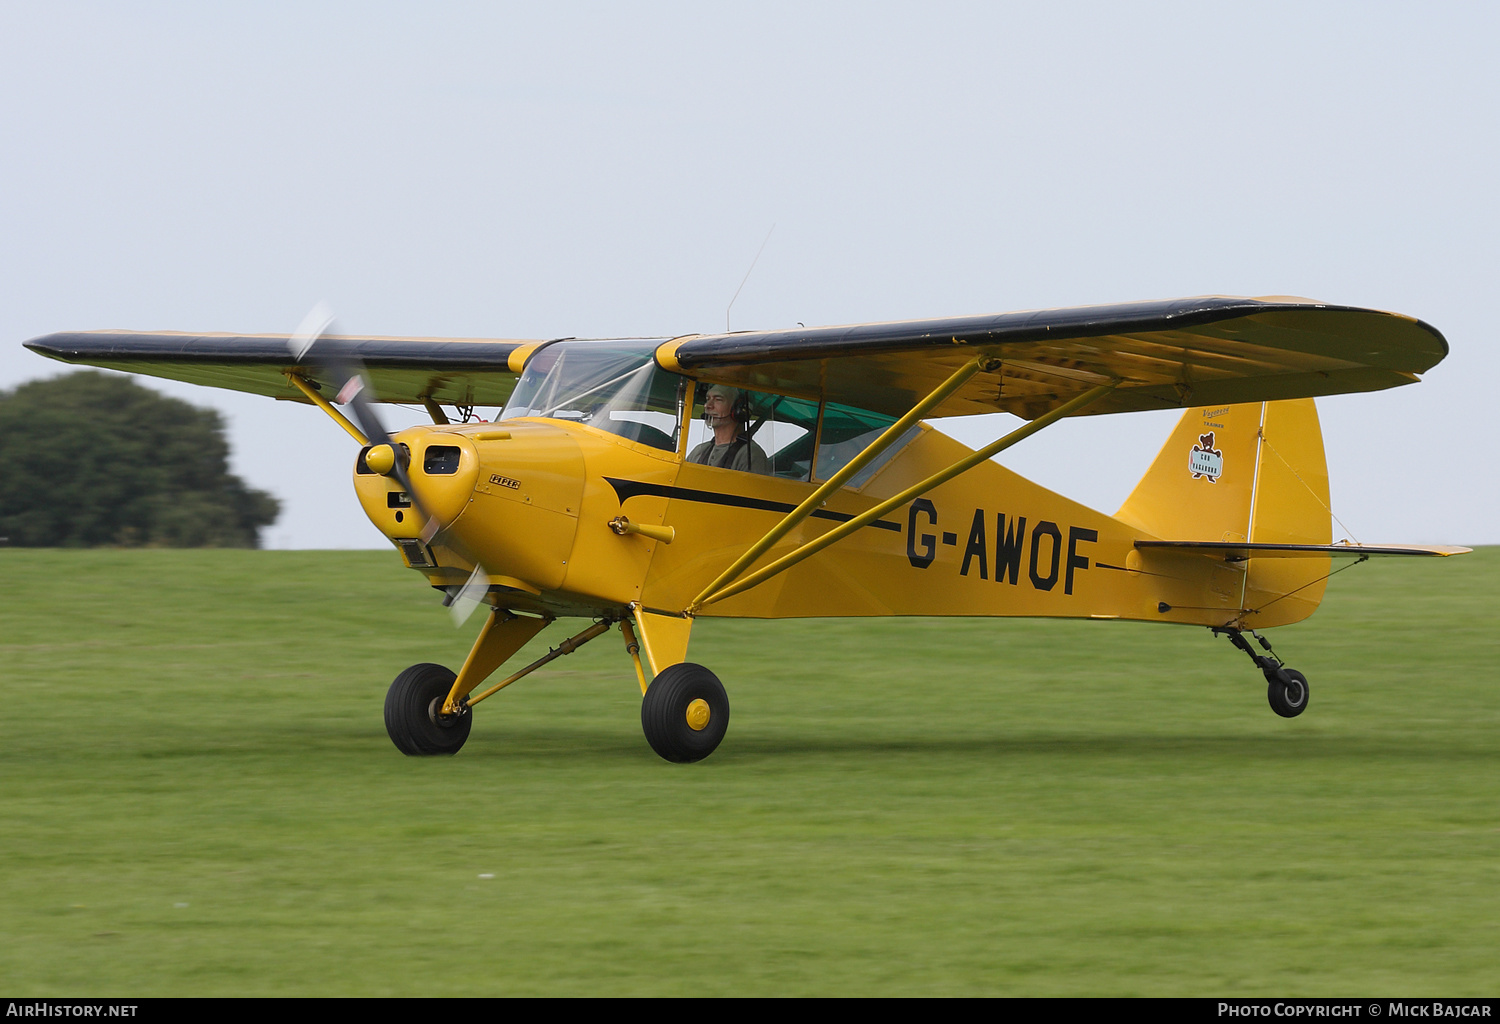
(531, 499)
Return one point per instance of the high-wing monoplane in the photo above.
(642, 483)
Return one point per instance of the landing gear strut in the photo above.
(1286, 688)
(684, 710)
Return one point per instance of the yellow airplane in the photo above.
(643, 483)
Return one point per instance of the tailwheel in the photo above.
(1286, 688)
(1287, 691)
(685, 713)
(413, 713)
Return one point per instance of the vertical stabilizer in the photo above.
(1241, 473)
(1203, 480)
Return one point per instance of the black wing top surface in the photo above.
(1165, 354)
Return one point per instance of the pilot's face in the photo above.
(716, 407)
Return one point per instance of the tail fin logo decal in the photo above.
(1205, 460)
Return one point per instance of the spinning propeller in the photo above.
(338, 364)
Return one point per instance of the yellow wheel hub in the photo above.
(697, 715)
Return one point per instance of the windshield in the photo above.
(614, 386)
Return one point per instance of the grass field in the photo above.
(197, 797)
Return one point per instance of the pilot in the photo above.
(726, 411)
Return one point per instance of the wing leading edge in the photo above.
(1167, 354)
(453, 371)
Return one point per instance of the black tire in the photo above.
(665, 713)
(1287, 699)
(411, 718)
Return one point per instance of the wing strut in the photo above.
(814, 501)
(301, 384)
(843, 530)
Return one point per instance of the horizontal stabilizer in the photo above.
(1243, 552)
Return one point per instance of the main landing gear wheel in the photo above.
(413, 717)
(1288, 698)
(685, 712)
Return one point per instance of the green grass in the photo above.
(197, 797)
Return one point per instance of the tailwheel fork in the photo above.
(1286, 688)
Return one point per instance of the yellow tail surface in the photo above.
(1240, 473)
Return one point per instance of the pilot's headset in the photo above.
(739, 409)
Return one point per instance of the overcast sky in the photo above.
(537, 171)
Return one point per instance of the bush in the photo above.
(91, 459)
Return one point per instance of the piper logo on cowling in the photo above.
(1206, 461)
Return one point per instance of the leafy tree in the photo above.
(92, 459)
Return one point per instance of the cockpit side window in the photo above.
(845, 432)
(753, 431)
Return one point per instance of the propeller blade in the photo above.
(470, 596)
(314, 342)
(314, 325)
(337, 365)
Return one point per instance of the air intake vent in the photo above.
(416, 554)
(440, 460)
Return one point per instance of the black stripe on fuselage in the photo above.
(626, 489)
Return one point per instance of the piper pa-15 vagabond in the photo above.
(647, 482)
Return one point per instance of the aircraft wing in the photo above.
(1212, 350)
(1166, 354)
(450, 371)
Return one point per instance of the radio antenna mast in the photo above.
(747, 277)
